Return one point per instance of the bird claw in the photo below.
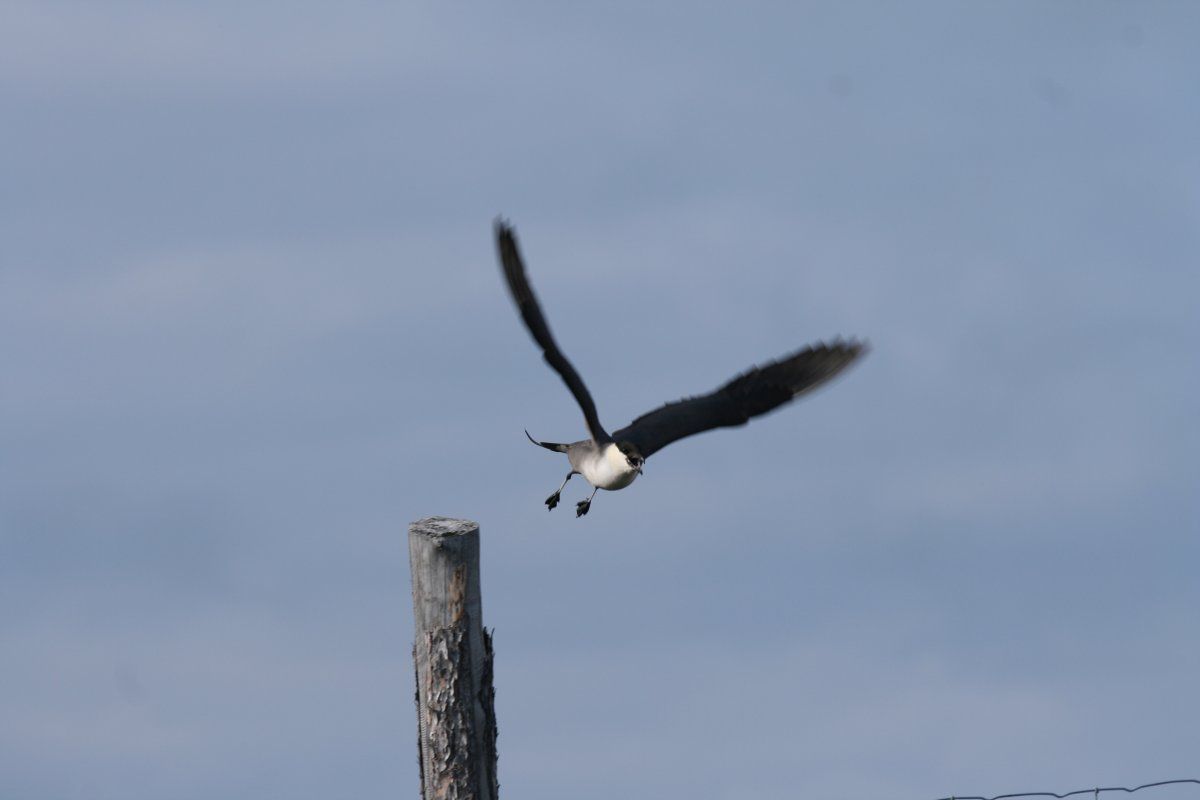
(582, 507)
(551, 501)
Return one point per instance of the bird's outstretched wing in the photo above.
(531, 312)
(754, 392)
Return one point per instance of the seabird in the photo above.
(613, 461)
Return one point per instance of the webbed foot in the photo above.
(551, 501)
(582, 507)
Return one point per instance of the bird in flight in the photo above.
(613, 461)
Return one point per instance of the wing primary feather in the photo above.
(535, 321)
(756, 391)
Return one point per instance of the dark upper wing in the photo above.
(754, 392)
(531, 312)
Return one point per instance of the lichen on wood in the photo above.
(449, 715)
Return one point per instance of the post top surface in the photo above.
(440, 527)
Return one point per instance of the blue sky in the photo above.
(251, 325)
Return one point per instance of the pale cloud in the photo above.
(127, 49)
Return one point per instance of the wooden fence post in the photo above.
(452, 653)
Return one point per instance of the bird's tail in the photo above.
(555, 446)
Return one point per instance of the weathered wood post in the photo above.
(452, 653)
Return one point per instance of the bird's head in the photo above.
(633, 456)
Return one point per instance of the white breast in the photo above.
(608, 469)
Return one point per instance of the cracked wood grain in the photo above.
(452, 653)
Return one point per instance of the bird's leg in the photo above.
(582, 506)
(552, 500)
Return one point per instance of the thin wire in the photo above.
(1095, 792)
